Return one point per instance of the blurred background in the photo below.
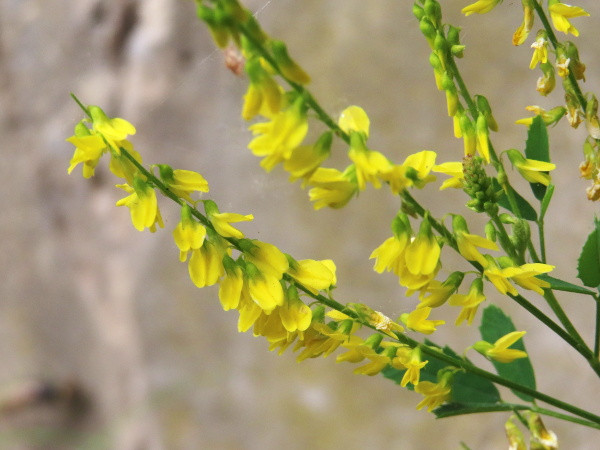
(104, 341)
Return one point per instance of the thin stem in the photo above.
(562, 316)
(597, 333)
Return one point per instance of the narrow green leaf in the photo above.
(561, 285)
(526, 210)
(494, 325)
(537, 147)
(459, 409)
(588, 267)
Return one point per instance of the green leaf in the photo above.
(494, 325)
(561, 285)
(538, 148)
(526, 210)
(466, 387)
(459, 409)
(588, 267)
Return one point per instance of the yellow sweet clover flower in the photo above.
(499, 277)
(455, 171)
(417, 321)
(480, 7)
(222, 221)
(334, 336)
(525, 28)
(122, 166)
(547, 82)
(288, 67)
(378, 362)
(540, 49)
(532, 170)
(89, 148)
(384, 324)
(540, 435)
(306, 159)
(560, 14)
(469, 134)
(437, 293)
(275, 140)
(142, 204)
(423, 253)
(390, 255)
(188, 234)
(514, 435)
(332, 188)
(483, 133)
(469, 302)
(314, 275)
(435, 394)
(416, 168)
(294, 314)
(270, 327)
(266, 257)
(526, 277)
(248, 309)
(263, 95)
(354, 118)
(264, 288)
(113, 130)
(230, 287)
(499, 351)
(182, 182)
(369, 164)
(413, 364)
(468, 243)
(550, 117)
(206, 265)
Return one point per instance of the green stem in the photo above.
(597, 333)
(562, 316)
(462, 87)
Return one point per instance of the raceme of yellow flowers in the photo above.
(290, 302)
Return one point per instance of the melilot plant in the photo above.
(292, 303)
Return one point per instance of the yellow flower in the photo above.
(440, 292)
(313, 275)
(331, 188)
(468, 243)
(383, 323)
(499, 350)
(523, 31)
(222, 221)
(264, 288)
(276, 139)
(531, 170)
(483, 133)
(263, 95)
(294, 314)
(306, 159)
(89, 148)
(469, 302)
(230, 287)
(423, 253)
(417, 321)
(499, 277)
(547, 82)
(480, 7)
(249, 311)
(267, 258)
(113, 130)
(540, 50)
(527, 280)
(142, 204)
(354, 118)
(188, 234)
(561, 13)
(182, 182)
(369, 164)
(413, 364)
(378, 362)
(122, 166)
(206, 265)
(435, 393)
(453, 169)
(335, 337)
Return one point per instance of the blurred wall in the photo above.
(105, 342)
